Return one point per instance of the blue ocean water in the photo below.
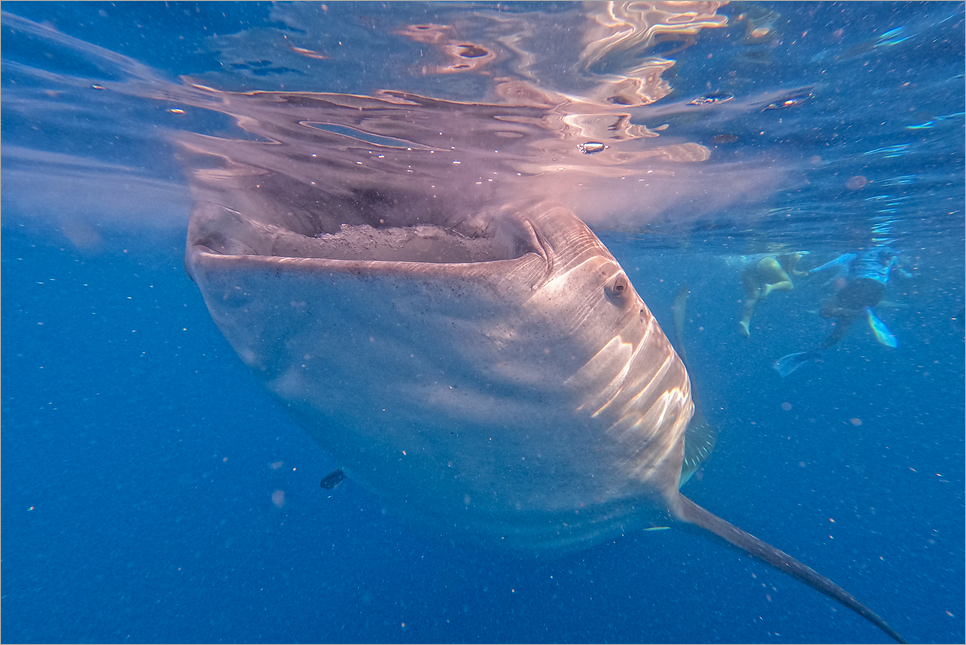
(151, 491)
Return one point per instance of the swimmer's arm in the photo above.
(840, 264)
(840, 261)
(897, 264)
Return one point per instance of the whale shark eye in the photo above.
(618, 287)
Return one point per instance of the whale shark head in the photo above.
(511, 385)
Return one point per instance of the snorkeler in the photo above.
(866, 275)
(762, 275)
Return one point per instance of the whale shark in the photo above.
(484, 366)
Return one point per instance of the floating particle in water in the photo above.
(855, 421)
(711, 99)
(790, 101)
(786, 406)
(591, 147)
(278, 498)
(890, 152)
(892, 37)
(724, 138)
(309, 53)
(856, 183)
(333, 479)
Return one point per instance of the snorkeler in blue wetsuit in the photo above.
(867, 274)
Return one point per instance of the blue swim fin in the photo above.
(882, 333)
(788, 364)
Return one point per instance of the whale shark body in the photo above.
(490, 372)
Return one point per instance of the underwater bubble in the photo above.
(790, 101)
(711, 99)
(591, 147)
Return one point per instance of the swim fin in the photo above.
(788, 364)
(882, 333)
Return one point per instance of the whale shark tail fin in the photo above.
(689, 512)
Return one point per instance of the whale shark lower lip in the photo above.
(491, 374)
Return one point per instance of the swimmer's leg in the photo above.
(752, 293)
(784, 285)
(774, 276)
(743, 327)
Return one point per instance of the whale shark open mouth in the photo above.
(426, 243)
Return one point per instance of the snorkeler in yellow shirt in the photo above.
(761, 275)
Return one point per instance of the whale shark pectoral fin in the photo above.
(688, 511)
(700, 437)
(680, 311)
(699, 440)
(882, 333)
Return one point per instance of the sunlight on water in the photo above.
(764, 157)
